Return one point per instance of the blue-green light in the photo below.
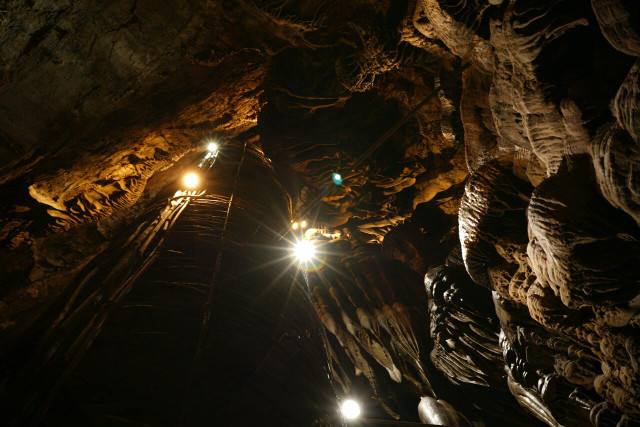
(337, 179)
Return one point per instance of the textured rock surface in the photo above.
(618, 21)
(615, 149)
(513, 187)
(579, 246)
(492, 223)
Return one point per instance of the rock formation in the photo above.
(477, 261)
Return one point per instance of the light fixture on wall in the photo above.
(304, 250)
(212, 147)
(350, 409)
(191, 180)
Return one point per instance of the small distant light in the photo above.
(191, 180)
(295, 225)
(212, 147)
(350, 409)
(304, 250)
(303, 224)
(337, 178)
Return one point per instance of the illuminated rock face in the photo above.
(513, 190)
(188, 315)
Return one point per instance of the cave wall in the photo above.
(511, 188)
(178, 321)
(542, 100)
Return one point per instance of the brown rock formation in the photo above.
(490, 146)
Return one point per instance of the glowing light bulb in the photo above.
(191, 180)
(295, 225)
(212, 147)
(350, 409)
(304, 250)
(303, 224)
(337, 178)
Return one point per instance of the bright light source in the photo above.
(191, 180)
(212, 147)
(303, 224)
(304, 250)
(295, 225)
(337, 178)
(350, 409)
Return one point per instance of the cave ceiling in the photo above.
(484, 243)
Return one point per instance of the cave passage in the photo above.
(188, 317)
(320, 213)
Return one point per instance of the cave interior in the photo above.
(258, 212)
